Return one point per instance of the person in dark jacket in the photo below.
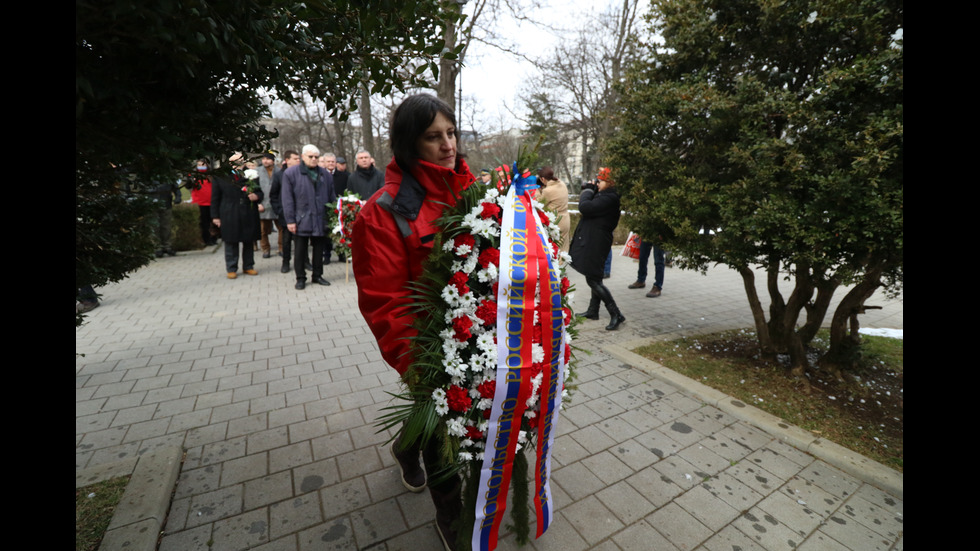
(290, 159)
(366, 179)
(234, 209)
(307, 190)
(592, 242)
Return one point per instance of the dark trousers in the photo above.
(231, 255)
(302, 246)
(206, 224)
(658, 264)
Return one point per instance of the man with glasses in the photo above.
(307, 189)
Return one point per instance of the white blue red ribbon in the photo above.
(526, 268)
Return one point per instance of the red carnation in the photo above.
(568, 315)
(487, 389)
(487, 312)
(544, 218)
(473, 433)
(486, 413)
(458, 399)
(489, 256)
(458, 280)
(462, 327)
(565, 284)
(490, 210)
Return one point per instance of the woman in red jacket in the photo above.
(392, 236)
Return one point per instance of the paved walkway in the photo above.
(274, 393)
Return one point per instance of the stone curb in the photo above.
(138, 519)
(855, 464)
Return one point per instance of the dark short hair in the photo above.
(409, 122)
(289, 153)
(547, 173)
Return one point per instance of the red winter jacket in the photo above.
(392, 236)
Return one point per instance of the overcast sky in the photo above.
(491, 77)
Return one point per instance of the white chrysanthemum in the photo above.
(439, 399)
(537, 353)
(488, 274)
(486, 345)
(450, 295)
(465, 456)
(455, 427)
(455, 368)
(479, 456)
(484, 403)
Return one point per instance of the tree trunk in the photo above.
(448, 69)
(842, 354)
(761, 328)
(367, 122)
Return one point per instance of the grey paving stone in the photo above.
(729, 539)
(643, 537)
(765, 530)
(710, 510)
(294, 514)
(654, 486)
(344, 497)
(215, 505)
(577, 480)
(194, 539)
(245, 531)
(679, 527)
(591, 519)
(625, 502)
(377, 522)
(268, 489)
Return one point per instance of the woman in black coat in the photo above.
(592, 242)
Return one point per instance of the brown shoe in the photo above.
(654, 292)
(232, 275)
(637, 285)
(251, 272)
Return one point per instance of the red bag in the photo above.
(632, 246)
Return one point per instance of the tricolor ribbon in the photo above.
(526, 268)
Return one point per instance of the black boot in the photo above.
(593, 312)
(413, 476)
(617, 317)
(448, 504)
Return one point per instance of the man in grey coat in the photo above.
(267, 217)
(307, 190)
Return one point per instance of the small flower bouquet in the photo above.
(491, 355)
(251, 186)
(343, 220)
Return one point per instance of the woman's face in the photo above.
(604, 185)
(437, 144)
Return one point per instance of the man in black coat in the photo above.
(235, 209)
(366, 179)
(291, 159)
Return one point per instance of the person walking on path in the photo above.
(393, 236)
